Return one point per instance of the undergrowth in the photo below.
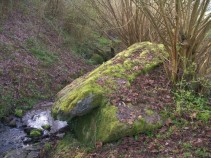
(188, 103)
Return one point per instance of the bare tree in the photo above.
(124, 19)
(182, 28)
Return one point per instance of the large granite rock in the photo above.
(86, 102)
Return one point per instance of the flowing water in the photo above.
(15, 143)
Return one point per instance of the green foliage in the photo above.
(7, 102)
(202, 152)
(187, 145)
(189, 103)
(204, 115)
(25, 102)
(18, 112)
(47, 146)
(46, 127)
(69, 146)
(187, 154)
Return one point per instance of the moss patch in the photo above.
(35, 133)
(102, 125)
(46, 127)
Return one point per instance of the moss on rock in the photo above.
(86, 105)
(35, 133)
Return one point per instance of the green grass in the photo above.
(40, 51)
(8, 103)
(69, 146)
(35, 133)
(43, 55)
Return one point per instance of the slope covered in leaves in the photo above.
(35, 62)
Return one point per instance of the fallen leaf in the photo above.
(193, 115)
(168, 122)
(99, 145)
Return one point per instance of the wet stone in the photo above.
(40, 118)
(12, 123)
(33, 154)
(17, 153)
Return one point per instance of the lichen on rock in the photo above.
(86, 102)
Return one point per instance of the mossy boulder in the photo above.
(86, 103)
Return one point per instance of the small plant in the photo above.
(35, 133)
(149, 112)
(204, 116)
(18, 112)
(47, 146)
(188, 103)
(96, 59)
(43, 55)
(40, 51)
(202, 152)
(187, 145)
(136, 137)
(187, 155)
(149, 134)
(46, 127)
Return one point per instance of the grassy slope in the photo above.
(34, 63)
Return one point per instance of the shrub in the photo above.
(182, 27)
(96, 59)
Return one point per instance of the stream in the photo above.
(16, 140)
